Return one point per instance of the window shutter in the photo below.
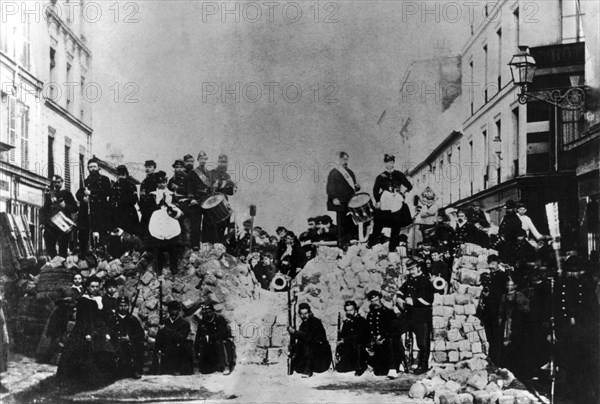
(25, 138)
(12, 124)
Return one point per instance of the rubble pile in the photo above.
(471, 381)
(458, 333)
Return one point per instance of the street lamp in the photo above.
(522, 68)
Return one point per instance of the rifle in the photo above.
(292, 344)
(336, 359)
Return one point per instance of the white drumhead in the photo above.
(359, 200)
(213, 201)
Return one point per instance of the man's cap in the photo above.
(207, 306)
(476, 203)
(389, 157)
(150, 163)
(177, 163)
(403, 238)
(123, 300)
(160, 176)
(304, 306)
(92, 161)
(202, 155)
(373, 293)
(109, 283)
(122, 170)
(344, 154)
(435, 250)
(325, 219)
(310, 219)
(450, 211)
(248, 221)
(572, 264)
(520, 204)
(411, 263)
(510, 204)
(223, 158)
(56, 178)
(188, 157)
(174, 305)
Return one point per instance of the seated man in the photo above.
(312, 352)
(214, 343)
(351, 353)
(120, 243)
(172, 353)
(130, 335)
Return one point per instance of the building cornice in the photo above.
(25, 176)
(69, 116)
(52, 14)
(12, 64)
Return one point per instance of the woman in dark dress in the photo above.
(89, 354)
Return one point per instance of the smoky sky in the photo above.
(281, 95)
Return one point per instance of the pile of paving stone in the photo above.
(472, 381)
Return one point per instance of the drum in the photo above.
(217, 208)
(61, 223)
(361, 207)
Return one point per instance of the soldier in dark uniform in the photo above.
(198, 188)
(326, 230)
(312, 351)
(392, 181)
(341, 187)
(130, 341)
(576, 312)
(221, 183)
(494, 286)
(94, 208)
(265, 270)
(149, 185)
(214, 343)
(123, 199)
(351, 350)
(175, 183)
(466, 232)
(188, 162)
(416, 298)
(385, 346)
(172, 353)
(441, 234)
(56, 200)
(508, 232)
(120, 242)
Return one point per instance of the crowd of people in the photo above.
(525, 288)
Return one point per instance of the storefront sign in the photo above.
(30, 195)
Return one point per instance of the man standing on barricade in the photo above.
(198, 188)
(341, 186)
(416, 297)
(57, 200)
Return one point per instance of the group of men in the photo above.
(374, 341)
(101, 207)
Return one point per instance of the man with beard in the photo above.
(416, 298)
(290, 256)
(238, 245)
(351, 352)
(188, 162)
(172, 354)
(198, 188)
(312, 351)
(221, 183)
(391, 186)
(130, 341)
(466, 232)
(175, 183)
(385, 347)
(57, 200)
(264, 270)
(214, 343)
(341, 187)
(123, 199)
(326, 230)
(148, 186)
(94, 207)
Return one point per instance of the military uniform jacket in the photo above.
(467, 233)
(380, 322)
(210, 332)
(100, 189)
(221, 181)
(575, 301)
(197, 184)
(148, 186)
(387, 181)
(355, 329)
(510, 227)
(174, 334)
(176, 185)
(421, 291)
(130, 326)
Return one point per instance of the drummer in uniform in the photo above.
(341, 187)
(57, 200)
(198, 188)
(221, 183)
(389, 191)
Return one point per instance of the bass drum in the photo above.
(361, 208)
(61, 223)
(217, 208)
